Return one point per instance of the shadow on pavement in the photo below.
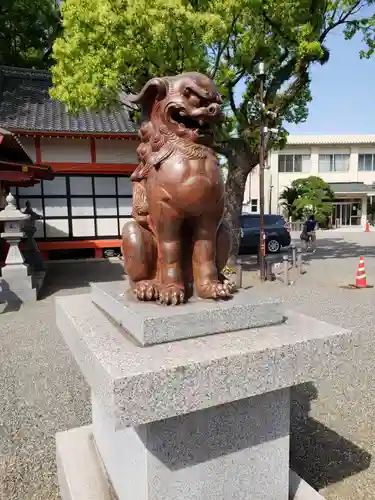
(327, 248)
(334, 248)
(78, 275)
(11, 306)
(318, 454)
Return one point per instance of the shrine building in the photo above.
(87, 196)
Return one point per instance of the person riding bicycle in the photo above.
(308, 234)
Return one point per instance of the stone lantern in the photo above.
(16, 283)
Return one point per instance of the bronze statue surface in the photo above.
(177, 237)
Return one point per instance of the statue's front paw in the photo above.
(215, 290)
(231, 285)
(145, 290)
(171, 294)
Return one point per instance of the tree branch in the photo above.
(334, 10)
(233, 106)
(285, 72)
(223, 47)
(182, 56)
(238, 77)
(231, 85)
(286, 99)
(281, 76)
(217, 60)
(341, 20)
(222, 149)
(277, 27)
(228, 148)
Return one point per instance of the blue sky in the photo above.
(343, 92)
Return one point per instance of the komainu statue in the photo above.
(177, 240)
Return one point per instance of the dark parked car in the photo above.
(276, 228)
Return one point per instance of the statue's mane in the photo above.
(158, 143)
(153, 140)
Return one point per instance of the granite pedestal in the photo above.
(18, 284)
(203, 418)
(149, 323)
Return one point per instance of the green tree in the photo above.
(307, 196)
(116, 45)
(287, 197)
(28, 30)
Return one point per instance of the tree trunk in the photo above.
(240, 164)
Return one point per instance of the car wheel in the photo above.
(273, 246)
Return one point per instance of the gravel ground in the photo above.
(332, 445)
(41, 388)
(42, 391)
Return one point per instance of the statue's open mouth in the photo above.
(191, 123)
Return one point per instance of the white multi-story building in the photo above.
(346, 162)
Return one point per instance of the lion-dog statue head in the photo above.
(177, 111)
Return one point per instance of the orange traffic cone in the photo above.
(361, 278)
(367, 230)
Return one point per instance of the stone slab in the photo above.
(300, 490)
(16, 271)
(138, 385)
(17, 283)
(75, 447)
(151, 323)
(239, 450)
(10, 235)
(14, 295)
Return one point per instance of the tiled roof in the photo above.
(338, 139)
(26, 105)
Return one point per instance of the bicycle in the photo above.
(308, 241)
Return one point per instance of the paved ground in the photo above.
(41, 388)
(42, 391)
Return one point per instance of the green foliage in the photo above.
(230, 271)
(117, 45)
(287, 197)
(28, 29)
(113, 46)
(307, 196)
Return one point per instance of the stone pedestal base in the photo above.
(239, 451)
(205, 418)
(77, 446)
(149, 323)
(17, 284)
(73, 449)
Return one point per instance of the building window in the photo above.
(254, 205)
(366, 163)
(79, 206)
(294, 163)
(334, 163)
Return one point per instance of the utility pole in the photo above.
(262, 241)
